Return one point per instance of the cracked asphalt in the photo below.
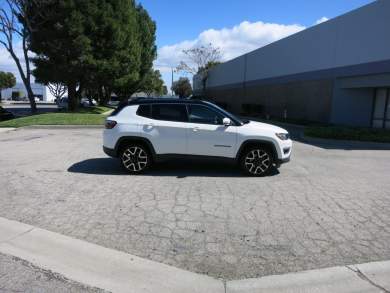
(329, 206)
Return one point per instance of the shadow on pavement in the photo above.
(180, 168)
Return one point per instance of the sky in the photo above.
(234, 26)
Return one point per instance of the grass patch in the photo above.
(349, 133)
(90, 110)
(55, 119)
(84, 116)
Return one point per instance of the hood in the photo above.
(264, 126)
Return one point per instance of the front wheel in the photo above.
(257, 161)
(135, 158)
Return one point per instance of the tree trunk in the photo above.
(101, 96)
(72, 97)
(90, 101)
(31, 97)
(204, 82)
(25, 79)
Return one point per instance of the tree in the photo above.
(202, 60)
(57, 89)
(182, 87)
(7, 80)
(94, 46)
(153, 84)
(200, 57)
(14, 29)
(165, 90)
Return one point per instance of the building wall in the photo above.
(357, 37)
(305, 74)
(303, 100)
(38, 90)
(352, 106)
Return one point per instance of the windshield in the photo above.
(229, 115)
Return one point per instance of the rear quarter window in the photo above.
(144, 111)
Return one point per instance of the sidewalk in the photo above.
(116, 271)
(6, 129)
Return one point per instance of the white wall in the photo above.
(38, 89)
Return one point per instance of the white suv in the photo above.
(144, 131)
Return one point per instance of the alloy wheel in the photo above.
(135, 159)
(257, 162)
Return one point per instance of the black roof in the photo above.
(148, 101)
(139, 101)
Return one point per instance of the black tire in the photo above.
(135, 158)
(257, 161)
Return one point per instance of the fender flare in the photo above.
(249, 142)
(139, 139)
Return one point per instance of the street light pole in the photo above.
(172, 83)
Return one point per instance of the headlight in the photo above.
(283, 136)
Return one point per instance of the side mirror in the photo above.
(226, 122)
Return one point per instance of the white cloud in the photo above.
(233, 42)
(321, 20)
(7, 63)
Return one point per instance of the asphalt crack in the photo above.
(362, 276)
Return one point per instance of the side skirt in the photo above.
(171, 157)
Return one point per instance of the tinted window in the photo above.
(144, 111)
(120, 107)
(169, 112)
(205, 115)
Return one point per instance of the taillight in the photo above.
(110, 124)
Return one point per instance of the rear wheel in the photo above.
(257, 161)
(135, 158)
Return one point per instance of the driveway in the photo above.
(327, 207)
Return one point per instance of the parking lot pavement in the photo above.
(20, 276)
(326, 207)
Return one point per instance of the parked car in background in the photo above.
(143, 131)
(86, 103)
(5, 115)
(63, 103)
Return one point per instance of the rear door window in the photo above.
(169, 112)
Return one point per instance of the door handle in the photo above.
(196, 129)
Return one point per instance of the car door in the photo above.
(207, 136)
(167, 128)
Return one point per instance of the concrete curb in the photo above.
(97, 266)
(335, 279)
(117, 271)
(6, 129)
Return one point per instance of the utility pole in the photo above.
(172, 82)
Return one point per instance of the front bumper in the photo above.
(284, 152)
(110, 152)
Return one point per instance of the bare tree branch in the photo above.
(202, 59)
(10, 26)
(57, 89)
(199, 57)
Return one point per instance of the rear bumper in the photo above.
(110, 152)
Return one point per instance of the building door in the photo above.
(381, 113)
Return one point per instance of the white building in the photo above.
(19, 92)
